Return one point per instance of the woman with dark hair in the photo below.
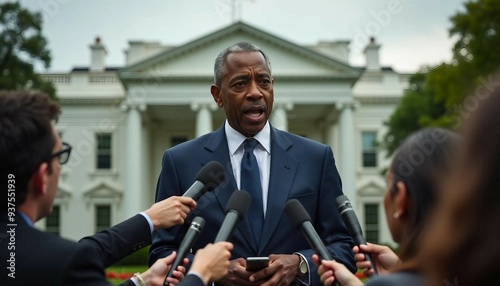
(412, 186)
(461, 245)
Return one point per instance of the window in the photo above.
(371, 222)
(178, 140)
(369, 141)
(102, 217)
(104, 151)
(52, 223)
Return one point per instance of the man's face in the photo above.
(246, 92)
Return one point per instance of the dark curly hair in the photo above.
(26, 137)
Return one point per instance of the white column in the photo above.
(279, 118)
(132, 199)
(203, 117)
(348, 152)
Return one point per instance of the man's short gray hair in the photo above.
(241, 47)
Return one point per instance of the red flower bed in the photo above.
(115, 275)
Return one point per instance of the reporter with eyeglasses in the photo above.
(31, 157)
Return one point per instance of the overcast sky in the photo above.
(412, 33)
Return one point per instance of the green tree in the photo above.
(416, 108)
(435, 92)
(22, 45)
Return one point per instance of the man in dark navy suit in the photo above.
(272, 165)
(31, 155)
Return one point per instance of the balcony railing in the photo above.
(102, 79)
(57, 78)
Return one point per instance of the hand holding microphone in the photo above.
(174, 210)
(384, 257)
(352, 224)
(187, 243)
(170, 212)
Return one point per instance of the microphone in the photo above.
(236, 209)
(208, 178)
(301, 220)
(352, 224)
(187, 242)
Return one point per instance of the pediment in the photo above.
(102, 190)
(371, 188)
(63, 192)
(196, 58)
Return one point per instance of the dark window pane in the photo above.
(369, 160)
(371, 222)
(103, 217)
(372, 236)
(103, 151)
(52, 223)
(369, 146)
(103, 162)
(178, 140)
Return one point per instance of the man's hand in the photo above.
(384, 258)
(170, 212)
(282, 270)
(212, 262)
(237, 274)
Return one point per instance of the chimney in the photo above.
(335, 49)
(372, 55)
(97, 55)
(341, 50)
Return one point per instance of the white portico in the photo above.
(120, 120)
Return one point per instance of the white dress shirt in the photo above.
(262, 152)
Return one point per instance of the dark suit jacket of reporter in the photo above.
(301, 169)
(47, 259)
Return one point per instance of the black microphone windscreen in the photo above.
(296, 212)
(239, 202)
(211, 175)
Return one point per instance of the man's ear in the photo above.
(215, 91)
(40, 179)
(401, 198)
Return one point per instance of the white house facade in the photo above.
(120, 120)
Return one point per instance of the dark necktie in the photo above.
(250, 182)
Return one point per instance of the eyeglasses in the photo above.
(63, 154)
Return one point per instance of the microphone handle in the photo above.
(314, 240)
(227, 228)
(195, 191)
(184, 247)
(177, 262)
(359, 239)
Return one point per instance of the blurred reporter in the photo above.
(413, 181)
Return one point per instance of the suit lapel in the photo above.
(217, 146)
(283, 169)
